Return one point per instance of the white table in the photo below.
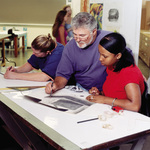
(62, 130)
(2, 38)
(17, 34)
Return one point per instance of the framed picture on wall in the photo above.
(96, 9)
(114, 14)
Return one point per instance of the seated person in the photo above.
(124, 84)
(46, 56)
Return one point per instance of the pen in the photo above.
(51, 87)
(87, 120)
(10, 68)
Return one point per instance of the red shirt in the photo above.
(115, 83)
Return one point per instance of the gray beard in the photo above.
(85, 45)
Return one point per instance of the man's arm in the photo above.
(58, 84)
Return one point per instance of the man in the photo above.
(81, 57)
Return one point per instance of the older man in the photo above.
(81, 57)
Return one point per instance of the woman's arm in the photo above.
(38, 76)
(22, 69)
(22, 73)
(133, 102)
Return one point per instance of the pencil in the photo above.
(10, 68)
(87, 120)
(51, 87)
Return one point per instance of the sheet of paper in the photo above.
(71, 99)
(17, 83)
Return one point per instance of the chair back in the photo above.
(145, 102)
(10, 31)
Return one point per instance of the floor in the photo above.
(21, 59)
(8, 143)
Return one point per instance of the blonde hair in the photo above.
(43, 43)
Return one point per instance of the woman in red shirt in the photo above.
(124, 84)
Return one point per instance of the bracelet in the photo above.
(113, 101)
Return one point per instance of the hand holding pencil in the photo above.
(12, 69)
(50, 88)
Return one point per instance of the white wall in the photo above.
(76, 4)
(33, 32)
(130, 25)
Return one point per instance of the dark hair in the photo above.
(43, 43)
(115, 43)
(58, 21)
(66, 6)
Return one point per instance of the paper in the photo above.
(70, 99)
(19, 83)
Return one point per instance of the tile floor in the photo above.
(21, 59)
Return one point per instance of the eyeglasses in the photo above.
(81, 36)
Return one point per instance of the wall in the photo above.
(76, 4)
(147, 18)
(35, 31)
(35, 15)
(130, 26)
(30, 11)
(32, 30)
(145, 15)
(129, 23)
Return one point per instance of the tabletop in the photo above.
(19, 33)
(3, 36)
(63, 127)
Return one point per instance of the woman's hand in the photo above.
(96, 99)
(94, 91)
(9, 74)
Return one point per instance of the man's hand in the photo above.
(94, 91)
(50, 88)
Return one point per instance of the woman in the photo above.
(46, 56)
(124, 84)
(68, 23)
(59, 31)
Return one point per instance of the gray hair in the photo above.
(84, 19)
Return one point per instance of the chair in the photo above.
(145, 105)
(145, 110)
(8, 41)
